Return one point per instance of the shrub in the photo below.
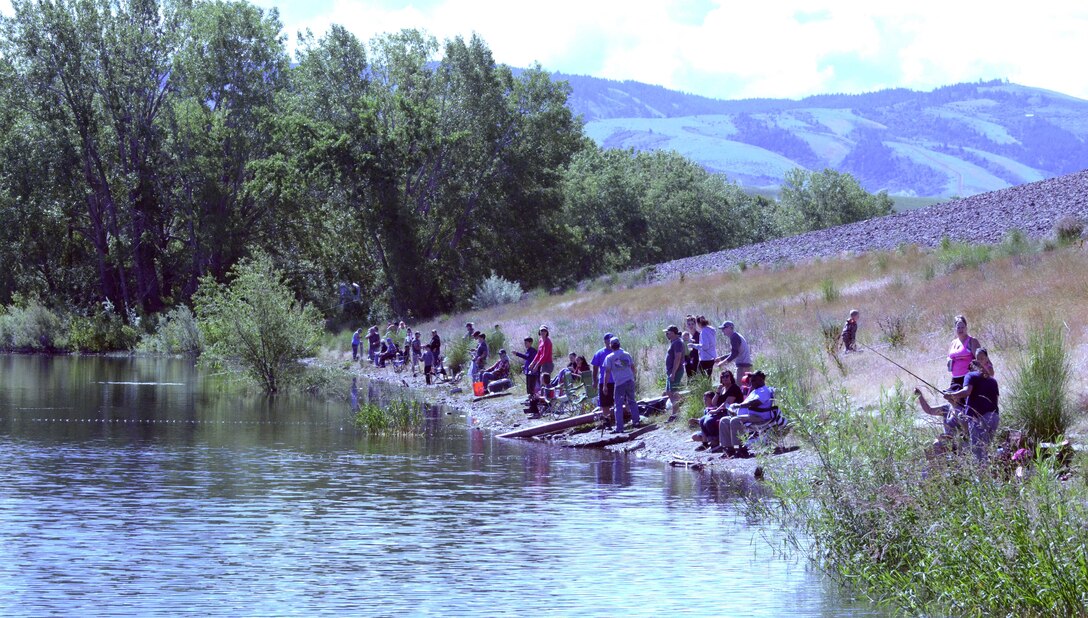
(177, 333)
(829, 290)
(955, 256)
(495, 290)
(1015, 243)
(692, 406)
(893, 330)
(1040, 398)
(257, 322)
(496, 340)
(457, 354)
(29, 326)
(1068, 230)
(104, 331)
(943, 539)
(832, 334)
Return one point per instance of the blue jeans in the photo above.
(625, 397)
(982, 431)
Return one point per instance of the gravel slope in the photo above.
(984, 218)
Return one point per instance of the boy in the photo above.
(428, 363)
(850, 332)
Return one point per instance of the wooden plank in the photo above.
(552, 427)
(491, 396)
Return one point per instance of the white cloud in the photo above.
(749, 49)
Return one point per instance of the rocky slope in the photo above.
(985, 218)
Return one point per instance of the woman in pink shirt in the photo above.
(961, 352)
(543, 360)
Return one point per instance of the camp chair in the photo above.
(759, 433)
(561, 400)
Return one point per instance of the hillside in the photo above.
(957, 140)
(986, 218)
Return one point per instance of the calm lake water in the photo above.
(145, 487)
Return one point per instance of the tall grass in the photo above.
(1040, 401)
(692, 406)
(940, 539)
(396, 417)
(458, 354)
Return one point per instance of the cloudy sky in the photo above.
(734, 49)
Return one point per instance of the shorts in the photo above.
(957, 382)
(608, 395)
(672, 383)
(546, 368)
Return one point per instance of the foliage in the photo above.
(29, 326)
(177, 332)
(692, 404)
(1068, 230)
(457, 354)
(818, 200)
(829, 290)
(256, 321)
(1040, 400)
(947, 538)
(893, 329)
(103, 331)
(952, 256)
(396, 417)
(494, 290)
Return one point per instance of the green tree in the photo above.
(818, 200)
(257, 322)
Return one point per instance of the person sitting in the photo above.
(389, 351)
(499, 371)
(572, 364)
(727, 393)
(971, 412)
(756, 409)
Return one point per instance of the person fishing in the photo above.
(972, 410)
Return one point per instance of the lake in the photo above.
(137, 486)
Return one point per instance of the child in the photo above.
(850, 332)
(428, 363)
(709, 423)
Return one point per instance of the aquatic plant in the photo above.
(395, 417)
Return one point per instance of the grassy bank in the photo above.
(947, 539)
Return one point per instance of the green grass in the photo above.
(1039, 402)
(396, 417)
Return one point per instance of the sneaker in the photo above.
(637, 425)
(617, 431)
(702, 447)
(672, 417)
(717, 449)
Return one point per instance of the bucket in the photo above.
(478, 389)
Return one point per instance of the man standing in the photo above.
(604, 389)
(479, 359)
(355, 343)
(739, 354)
(470, 330)
(530, 375)
(620, 367)
(374, 341)
(674, 365)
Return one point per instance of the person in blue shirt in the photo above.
(605, 396)
(619, 368)
(530, 375)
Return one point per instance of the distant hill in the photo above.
(957, 140)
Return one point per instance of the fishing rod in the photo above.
(916, 376)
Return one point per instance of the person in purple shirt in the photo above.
(605, 396)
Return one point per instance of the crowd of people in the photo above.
(735, 411)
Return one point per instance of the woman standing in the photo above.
(691, 363)
(961, 352)
(543, 361)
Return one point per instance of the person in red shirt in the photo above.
(543, 362)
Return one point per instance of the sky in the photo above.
(732, 49)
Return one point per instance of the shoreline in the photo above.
(667, 443)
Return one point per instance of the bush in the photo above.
(955, 256)
(104, 331)
(177, 333)
(944, 539)
(1068, 230)
(495, 290)
(29, 326)
(893, 330)
(256, 322)
(457, 354)
(692, 406)
(829, 290)
(1040, 399)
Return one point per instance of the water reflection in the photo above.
(152, 500)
